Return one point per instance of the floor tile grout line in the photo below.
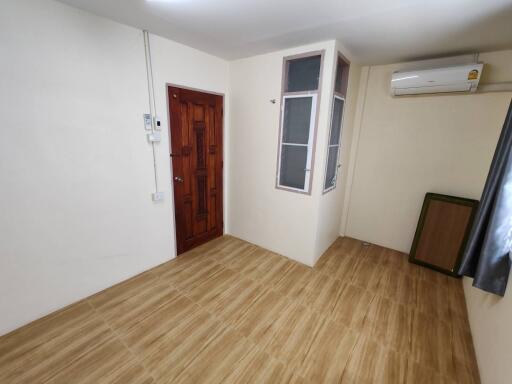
(84, 353)
(123, 342)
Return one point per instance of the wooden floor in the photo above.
(231, 312)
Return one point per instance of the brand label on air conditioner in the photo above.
(473, 75)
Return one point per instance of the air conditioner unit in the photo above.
(461, 78)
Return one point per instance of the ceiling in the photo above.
(372, 31)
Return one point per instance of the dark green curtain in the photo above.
(487, 254)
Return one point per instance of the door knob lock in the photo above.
(178, 179)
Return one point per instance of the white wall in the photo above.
(76, 171)
(490, 317)
(412, 145)
(279, 220)
(404, 147)
(330, 204)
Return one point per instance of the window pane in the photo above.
(337, 116)
(341, 80)
(339, 75)
(332, 163)
(297, 119)
(293, 164)
(303, 74)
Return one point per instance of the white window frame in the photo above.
(309, 145)
(329, 145)
(315, 95)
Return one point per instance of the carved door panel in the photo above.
(196, 156)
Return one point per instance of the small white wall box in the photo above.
(147, 121)
(157, 196)
(154, 137)
(158, 124)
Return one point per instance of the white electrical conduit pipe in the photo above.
(505, 86)
(495, 87)
(152, 103)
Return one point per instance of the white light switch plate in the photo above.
(158, 123)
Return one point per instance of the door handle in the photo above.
(178, 179)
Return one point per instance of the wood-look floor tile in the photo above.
(434, 277)
(160, 321)
(375, 254)
(350, 247)
(432, 299)
(269, 263)
(329, 353)
(213, 287)
(168, 356)
(259, 367)
(45, 360)
(396, 261)
(250, 368)
(390, 323)
(257, 321)
(293, 334)
(464, 354)
(199, 277)
(294, 281)
(430, 344)
(185, 268)
(252, 262)
(238, 290)
(134, 309)
(274, 272)
(418, 373)
(121, 292)
(370, 362)
(109, 360)
(398, 287)
(161, 346)
(331, 261)
(346, 269)
(23, 340)
(217, 360)
(231, 312)
(223, 246)
(467, 374)
(367, 275)
(322, 293)
(235, 302)
(352, 306)
(456, 303)
(219, 247)
(234, 257)
(130, 373)
(341, 259)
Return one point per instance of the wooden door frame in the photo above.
(171, 172)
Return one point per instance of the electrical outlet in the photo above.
(154, 137)
(158, 196)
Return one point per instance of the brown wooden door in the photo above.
(196, 157)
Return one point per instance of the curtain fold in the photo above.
(486, 256)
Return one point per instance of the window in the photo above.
(299, 103)
(334, 144)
